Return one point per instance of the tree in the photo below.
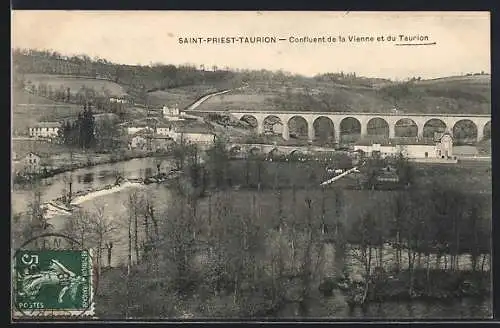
(218, 162)
(86, 126)
(37, 214)
(177, 246)
(79, 227)
(405, 170)
(102, 228)
(107, 134)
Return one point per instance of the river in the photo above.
(113, 204)
(84, 179)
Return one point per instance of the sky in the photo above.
(462, 40)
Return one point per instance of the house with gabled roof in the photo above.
(30, 163)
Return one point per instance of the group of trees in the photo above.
(152, 77)
(374, 165)
(46, 90)
(85, 95)
(210, 247)
(417, 224)
(82, 131)
(86, 133)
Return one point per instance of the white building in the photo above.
(199, 138)
(45, 130)
(141, 140)
(131, 130)
(441, 149)
(119, 100)
(172, 114)
(31, 163)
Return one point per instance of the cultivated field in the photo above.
(75, 83)
(239, 101)
(28, 109)
(183, 96)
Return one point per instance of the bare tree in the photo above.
(78, 227)
(102, 227)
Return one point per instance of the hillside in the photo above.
(75, 83)
(450, 95)
(28, 109)
(162, 84)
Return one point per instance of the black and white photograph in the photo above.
(250, 165)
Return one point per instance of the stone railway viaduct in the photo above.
(390, 119)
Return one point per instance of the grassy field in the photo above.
(467, 175)
(448, 95)
(75, 83)
(28, 109)
(230, 101)
(25, 111)
(183, 96)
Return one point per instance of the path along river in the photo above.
(114, 204)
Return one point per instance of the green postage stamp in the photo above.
(53, 283)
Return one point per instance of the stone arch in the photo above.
(487, 130)
(297, 127)
(377, 127)
(254, 151)
(324, 130)
(249, 121)
(296, 153)
(235, 150)
(350, 129)
(273, 125)
(432, 126)
(464, 131)
(405, 128)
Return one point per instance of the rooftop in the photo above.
(192, 127)
(47, 125)
(143, 132)
(399, 141)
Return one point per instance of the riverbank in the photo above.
(79, 164)
(89, 194)
(422, 284)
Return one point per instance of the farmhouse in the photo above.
(30, 163)
(147, 140)
(438, 148)
(388, 174)
(45, 130)
(189, 132)
(141, 140)
(163, 129)
(199, 134)
(160, 143)
(171, 114)
(133, 129)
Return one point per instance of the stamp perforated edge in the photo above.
(59, 314)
